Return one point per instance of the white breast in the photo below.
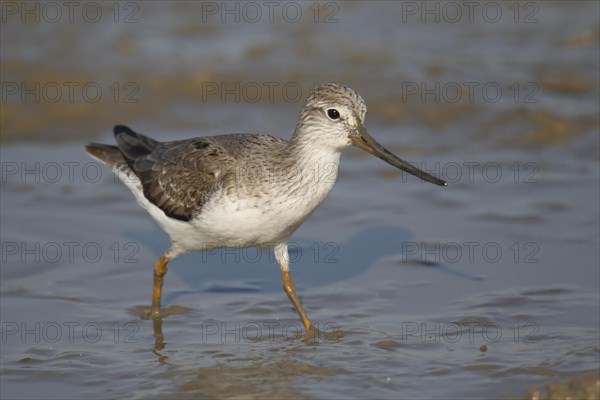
(273, 215)
(263, 217)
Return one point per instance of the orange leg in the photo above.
(290, 290)
(160, 269)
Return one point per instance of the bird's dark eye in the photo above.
(333, 113)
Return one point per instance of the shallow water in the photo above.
(484, 289)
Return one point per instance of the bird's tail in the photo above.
(105, 153)
(130, 145)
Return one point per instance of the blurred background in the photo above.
(488, 288)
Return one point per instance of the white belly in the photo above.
(240, 221)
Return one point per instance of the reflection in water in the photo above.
(144, 313)
(248, 375)
(159, 339)
(329, 333)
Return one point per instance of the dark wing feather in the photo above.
(133, 145)
(177, 177)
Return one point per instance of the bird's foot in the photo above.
(152, 313)
(155, 313)
(314, 335)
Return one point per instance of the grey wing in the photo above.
(179, 177)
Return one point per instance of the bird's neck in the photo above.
(306, 147)
(309, 172)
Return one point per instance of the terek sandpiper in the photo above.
(244, 190)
